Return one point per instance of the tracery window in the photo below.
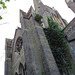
(18, 45)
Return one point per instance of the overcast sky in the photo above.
(10, 20)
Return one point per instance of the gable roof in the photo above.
(26, 15)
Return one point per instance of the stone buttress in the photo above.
(38, 56)
(8, 54)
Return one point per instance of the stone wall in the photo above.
(8, 55)
(71, 4)
(34, 57)
(38, 56)
(70, 36)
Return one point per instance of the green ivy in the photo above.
(38, 18)
(59, 46)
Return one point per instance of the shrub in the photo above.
(38, 18)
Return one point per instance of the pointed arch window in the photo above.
(16, 73)
(19, 43)
(21, 69)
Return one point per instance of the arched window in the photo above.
(25, 69)
(16, 73)
(18, 45)
(21, 70)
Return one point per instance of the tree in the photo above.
(3, 6)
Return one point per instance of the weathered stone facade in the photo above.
(16, 58)
(29, 53)
(71, 4)
(45, 11)
(70, 36)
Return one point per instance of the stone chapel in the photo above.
(28, 53)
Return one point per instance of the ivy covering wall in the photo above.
(59, 46)
(38, 18)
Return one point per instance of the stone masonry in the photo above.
(70, 36)
(28, 53)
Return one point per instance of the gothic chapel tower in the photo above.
(28, 53)
(46, 11)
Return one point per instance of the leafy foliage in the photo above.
(7, 0)
(0, 17)
(38, 18)
(3, 6)
(2, 3)
(59, 46)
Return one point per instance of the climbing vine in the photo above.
(38, 18)
(59, 46)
